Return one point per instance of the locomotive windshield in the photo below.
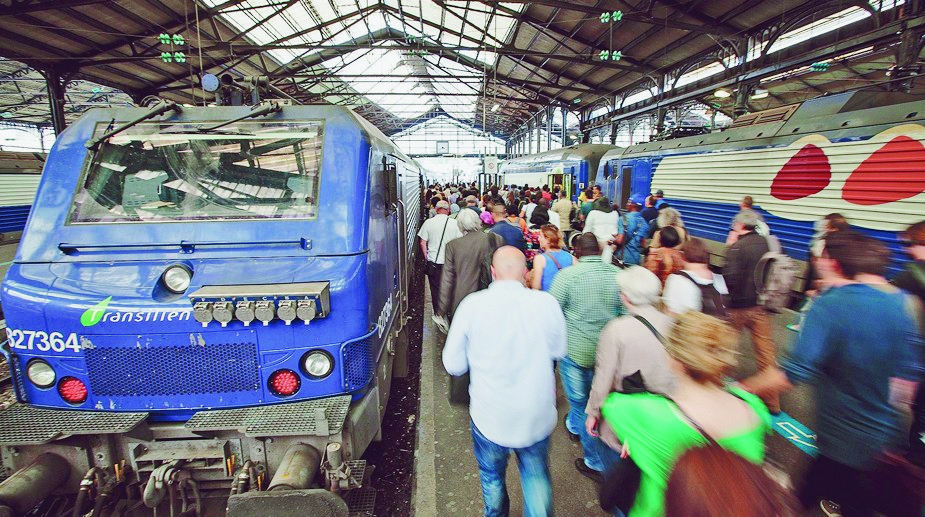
(182, 172)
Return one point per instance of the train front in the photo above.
(190, 295)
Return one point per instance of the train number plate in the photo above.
(42, 341)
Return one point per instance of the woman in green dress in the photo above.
(654, 430)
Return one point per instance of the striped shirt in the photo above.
(589, 296)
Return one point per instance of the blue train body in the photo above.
(572, 167)
(310, 207)
(860, 154)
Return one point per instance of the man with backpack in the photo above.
(631, 232)
(742, 261)
(695, 287)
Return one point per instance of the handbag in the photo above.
(459, 389)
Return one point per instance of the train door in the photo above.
(571, 177)
(609, 180)
(395, 214)
(622, 182)
(642, 177)
(582, 174)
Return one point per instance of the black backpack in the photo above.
(711, 299)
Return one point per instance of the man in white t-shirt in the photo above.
(435, 233)
(527, 211)
(683, 291)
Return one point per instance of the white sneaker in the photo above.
(830, 508)
(441, 323)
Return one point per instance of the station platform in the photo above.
(446, 474)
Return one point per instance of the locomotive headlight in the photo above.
(177, 278)
(41, 373)
(317, 364)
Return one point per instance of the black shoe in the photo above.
(571, 436)
(587, 471)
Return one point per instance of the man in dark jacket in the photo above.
(742, 258)
(466, 257)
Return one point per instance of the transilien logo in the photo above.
(94, 314)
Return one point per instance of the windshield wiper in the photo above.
(184, 246)
(257, 111)
(158, 109)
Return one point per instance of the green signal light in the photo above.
(167, 57)
(819, 67)
(164, 38)
(178, 39)
(179, 57)
(604, 55)
(617, 56)
(577, 101)
(609, 17)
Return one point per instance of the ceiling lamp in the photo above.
(495, 108)
(759, 94)
(722, 93)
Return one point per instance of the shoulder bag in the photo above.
(431, 265)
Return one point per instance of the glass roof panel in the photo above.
(380, 74)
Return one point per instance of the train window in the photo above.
(701, 141)
(178, 171)
(845, 123)
(758, 135)
(910, 115)
(795, 130)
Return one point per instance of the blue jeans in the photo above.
(576, 382)
(533, 463)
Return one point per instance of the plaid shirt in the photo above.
(589, 296)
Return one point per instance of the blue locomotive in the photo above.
(210, 294)
(573, 167)
(858, 153)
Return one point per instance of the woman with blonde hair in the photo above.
(669, 217)
(551, 260)
(655, 430)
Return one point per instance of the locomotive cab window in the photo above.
(182, 172)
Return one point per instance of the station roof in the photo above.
(492, 65)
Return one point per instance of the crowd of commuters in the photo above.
(644, 333)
